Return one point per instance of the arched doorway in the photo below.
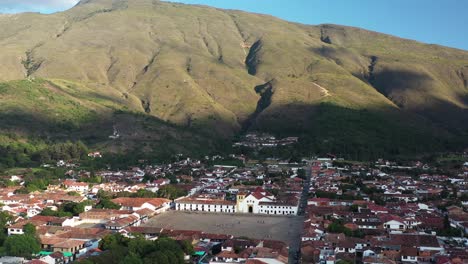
(250, 209)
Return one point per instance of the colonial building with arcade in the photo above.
(258, 201)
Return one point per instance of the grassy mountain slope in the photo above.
(222, 72)
(61, 110)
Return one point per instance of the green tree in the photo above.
(107, 204)
(354, 208)
(142, 193)
(48, 212)
(132, 259)
(29, 229)
(5, 218)
(22, 245)
(113, 241)
(187, 247)
(170, 192)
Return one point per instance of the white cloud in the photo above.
(44, 6)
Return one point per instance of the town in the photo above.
(234, 209)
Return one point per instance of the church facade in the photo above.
(257, 202)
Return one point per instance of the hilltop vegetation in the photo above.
(173, 77)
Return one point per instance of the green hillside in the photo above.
(36, 111)
(217, 73)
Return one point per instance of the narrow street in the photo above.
(295, 247)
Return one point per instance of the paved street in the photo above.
(295, 246)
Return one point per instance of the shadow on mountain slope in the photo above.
(357, 134)
(136, 131)
(392, 83)
(322, 128)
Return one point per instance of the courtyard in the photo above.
(283, 228)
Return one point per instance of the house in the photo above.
(95, 154)
(422, 242)
(147, 232)
(120, 223)
(38, 220)
(207, 237)
(392, 222)
(96, 216)
(205, 205)
(312, 234)
(377, 209)
(74, 186)
(158, 205)
(227, 257)
(409, 254)
(69, 245)
(54, 258)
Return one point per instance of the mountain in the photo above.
(209, 74)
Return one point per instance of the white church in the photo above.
(257, 202)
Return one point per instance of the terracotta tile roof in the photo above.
(409, 251)
(145, 212)
(138, 202)
(83, 233)
(40, 220)
(104, 213)
(74, 183)
(208, 201)
(57, 255)
(143, 229)
(216, 236)
(257, 195)
(69, 243)
(414, 240)
(227, 254)
(122, 222)
(50, 240)
(183, 234)
(36, 261)
(389, 217)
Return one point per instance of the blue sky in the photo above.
(442, 22)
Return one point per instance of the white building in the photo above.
(262, 202)
(257, 202)
(158, 205)
(73, 186)
(205, 205)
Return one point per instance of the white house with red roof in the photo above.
(158, 205)
(392, 222)
(205, 205)
(74, 186)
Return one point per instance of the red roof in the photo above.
(389, 217)
(257, 195)
(138, 202)
(74, 183)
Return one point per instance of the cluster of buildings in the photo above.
(257, 201)
(65, 239)
(367, 213)
(364, 214)
(255, 140)
(210, 188)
